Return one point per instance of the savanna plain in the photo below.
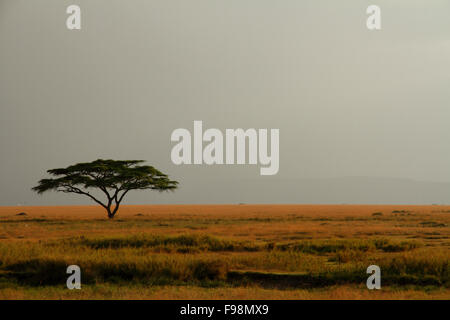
(226, 252)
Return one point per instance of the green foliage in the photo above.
(115, 178)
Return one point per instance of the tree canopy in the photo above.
(115, 178)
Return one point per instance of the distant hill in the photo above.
(351, 190)
(345, 190)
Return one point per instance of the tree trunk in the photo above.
(110, 213)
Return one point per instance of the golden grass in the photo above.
(226, 251)
(105, 291)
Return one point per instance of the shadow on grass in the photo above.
(309, 281)
(37, 272)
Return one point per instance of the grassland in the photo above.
(226, 252)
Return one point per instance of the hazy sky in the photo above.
(358, 110)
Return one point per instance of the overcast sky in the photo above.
(356, 109)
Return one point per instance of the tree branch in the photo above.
(79, 191)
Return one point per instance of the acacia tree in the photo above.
(115, 178)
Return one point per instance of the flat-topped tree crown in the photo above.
(115, 178)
